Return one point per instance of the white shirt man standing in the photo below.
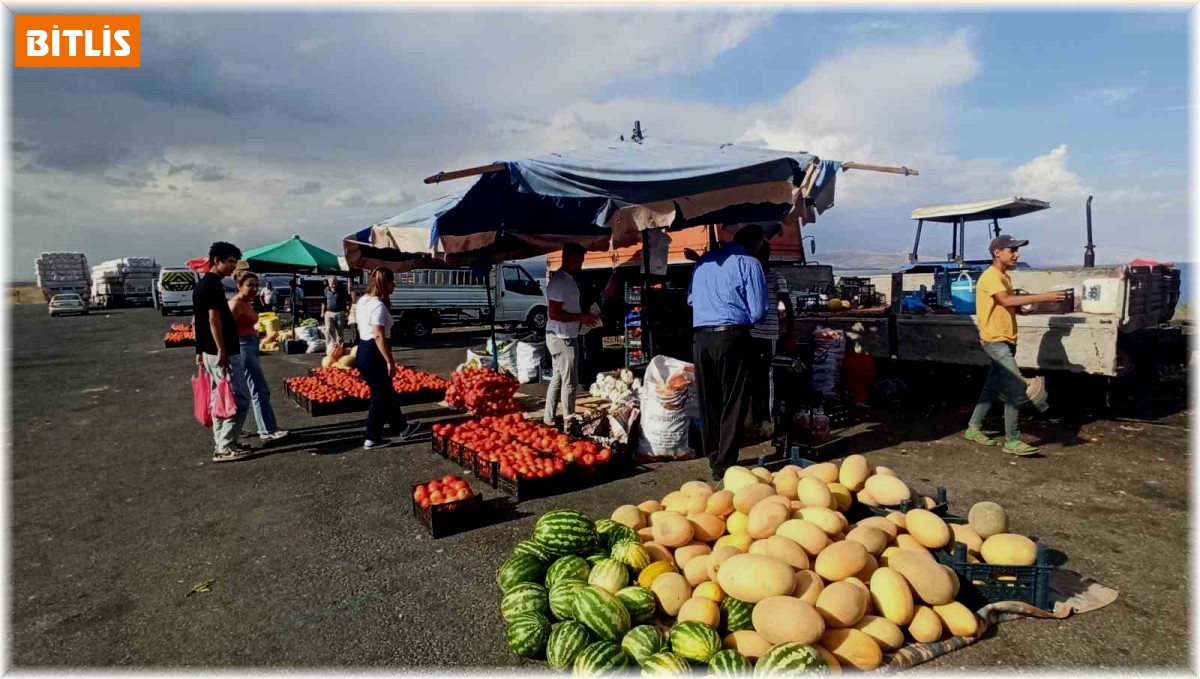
(562, 332)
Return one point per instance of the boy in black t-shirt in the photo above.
(217, 348)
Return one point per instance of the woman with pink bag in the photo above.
(219, 354)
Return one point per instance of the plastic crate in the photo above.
(940, 507)
(981, 584)
(342, 407)
(448, 518)
(787, 448)
(531, 489)
(440, 445)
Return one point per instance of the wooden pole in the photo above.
(880, 168)
(496, 167)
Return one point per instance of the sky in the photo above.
(252, 126)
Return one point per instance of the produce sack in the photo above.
(531, 358)
(202, 397)
(225, 404)
(316, 346)
(507, 357)
(309, 333)
(668, 388)
(828, 352)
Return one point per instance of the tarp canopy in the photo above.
(294, 255)
(982, 211)
(604, 197)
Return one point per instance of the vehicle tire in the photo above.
(537, 318)
(418, 326)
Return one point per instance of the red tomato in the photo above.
(448, 479)
(588, 460)
(436, 497)
(462, 494)
(420, 493)
(424, 502)
(605, 455)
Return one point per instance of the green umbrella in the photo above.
(293, 255)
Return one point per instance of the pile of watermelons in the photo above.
(578, 594)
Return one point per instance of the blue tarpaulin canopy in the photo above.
(601, 197)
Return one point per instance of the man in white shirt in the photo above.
(562, 332)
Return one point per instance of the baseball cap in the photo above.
(1005, 241)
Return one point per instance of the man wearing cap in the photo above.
(995, 311)
(728, 296)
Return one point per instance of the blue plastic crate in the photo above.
(981, 584)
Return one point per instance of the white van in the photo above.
(427, 298)
(173, 293)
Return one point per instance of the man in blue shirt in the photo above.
(728, 296)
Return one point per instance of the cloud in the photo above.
(874, 26)
(307, 189)
(1048, 176)
(1109, 96)
(201, 173)
(354, 197)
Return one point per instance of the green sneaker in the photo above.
(1020, 448)
(975, 436)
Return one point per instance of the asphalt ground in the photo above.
(315, 559)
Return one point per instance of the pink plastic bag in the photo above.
(225, 405)
(202, 397)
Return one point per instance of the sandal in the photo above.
(975, 436)
(1020, 448)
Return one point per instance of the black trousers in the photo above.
(385, 407)
(760, 379)
(722, 361)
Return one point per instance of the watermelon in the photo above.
(602, 613)
(568, 568)
(694, 641)
(562, 598)
(528, 633)
(729, 663)
(735, 615)
(601, 657)
(790, 658)
(533, 549)
(521, 568)
(566, 531)
(566, 641)
(527, 597)
(604, 525)
(644, 641)
(596, 558)
(609, 575)
(617, 534)
(639, 601)
(666, 664)
(632, 554)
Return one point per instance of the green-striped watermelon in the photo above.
(596, 558)
(601, 657)
(632, 554)
(602, 613)
(729, 663)
(566, 531)
(566, 641)
(644, 641)
(735, 615)
(609, 575)
(666, 664)
(694, 641)
(528, 633)
(562, 598)
(569, 567)
(605, 525)
(618, 533)
(789, 659)
(527, 597)
(521, 568)
(639, 601)
(533, 549)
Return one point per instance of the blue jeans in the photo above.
(226, 432)
(260, 391)
(1004, 382)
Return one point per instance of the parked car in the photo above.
(68, 303)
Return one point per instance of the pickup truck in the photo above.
(428, 298)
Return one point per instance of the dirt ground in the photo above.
(315, 559)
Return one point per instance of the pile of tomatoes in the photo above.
(183, 327)
(347, 381)
(449, 488)
(407, 381)
(315, 390)
(180, 333)
(483, 391)
(523, 447)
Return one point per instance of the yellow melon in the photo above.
(676, 501)
(688, 552)
(825, 471)
(765, 518)
(885, 471)
(1009, 549)
(737, 478)
(720, 503)
(808, 587)
(748, 496)
(957, 619)
(886, 633)
(842, 497)
(966, 535)
(696, 487)
(706, 527)
(926, 577)
(754, 577)
(871, 537)
(813, 492)
(841, 604)
(783, 548)
(987, 519)
(786, 484)
(740, 543)
(853, 647)
(808, 535)
(868, 570)
(671, 529)
(748, 643)
(700, 609)
(709, 590)
(650, 506)
(719, 556)
(825, 518)
(659, 552)
(908, 543)
(783, 619)
(854, 472)
(897, 518)
(882, 524)
(670, 591)
(696, 569)
(886, 490)
(763, 475)
(927, 528)
(840, 560)
(650, 573)
(629, 515)
(892, 596)
(925, 627)
(736, 523)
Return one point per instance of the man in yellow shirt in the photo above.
(996, 313)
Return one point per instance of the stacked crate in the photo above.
(63, 272)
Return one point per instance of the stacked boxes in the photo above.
(124, 281)
(59, 272)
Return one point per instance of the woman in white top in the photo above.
(375, 360)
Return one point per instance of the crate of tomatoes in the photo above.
(483, 391)
(318, 398)
(446, 506)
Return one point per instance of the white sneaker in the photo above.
(274, 436)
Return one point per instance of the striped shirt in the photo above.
(768, 328)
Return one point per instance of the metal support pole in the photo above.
(912, 256)
(487, 285)
(647, 341)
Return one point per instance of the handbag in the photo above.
(225, 405)
(202, 397)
